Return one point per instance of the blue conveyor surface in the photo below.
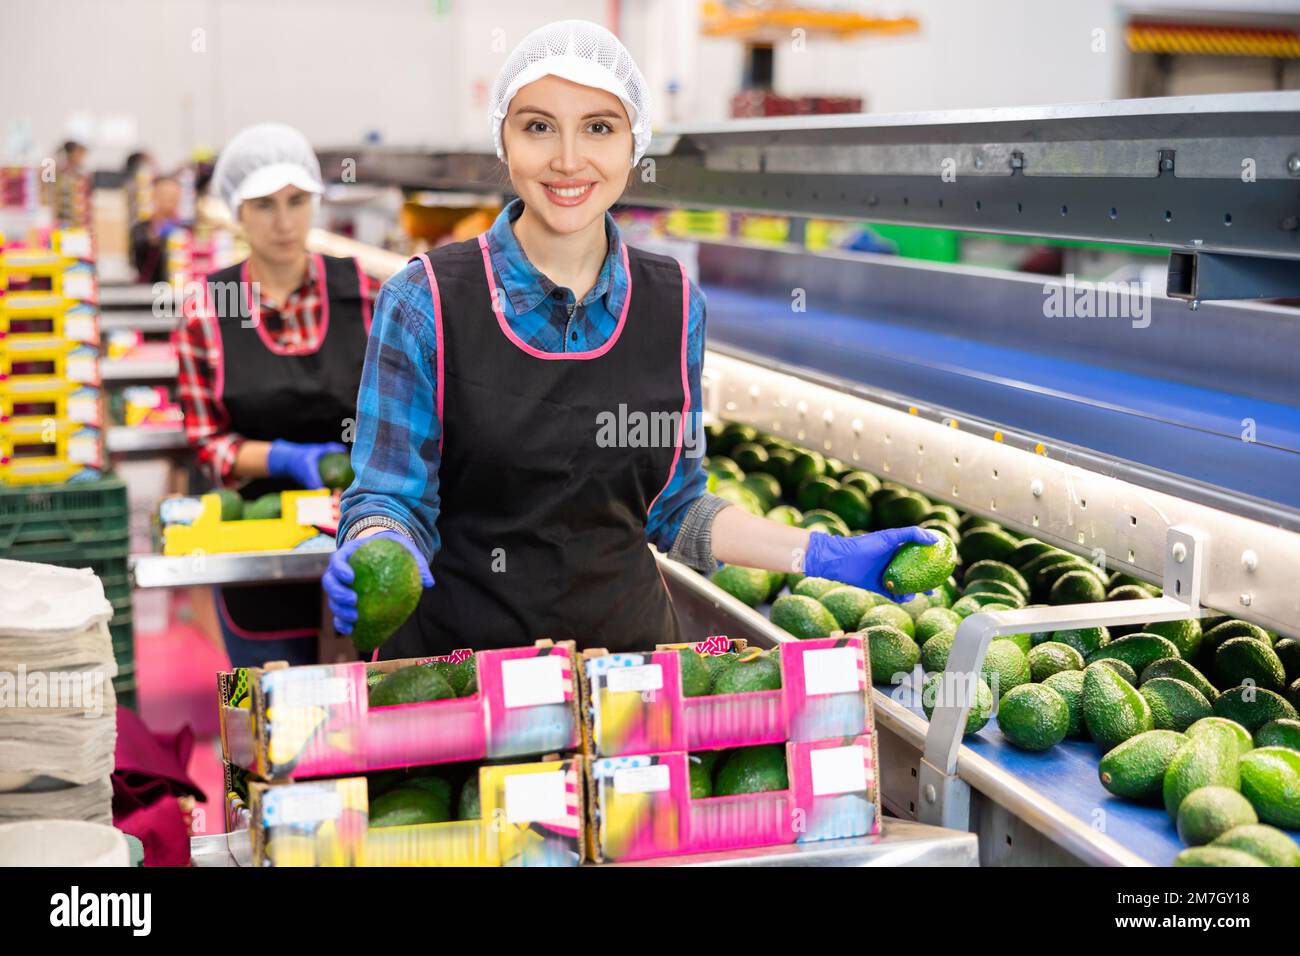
(1182, 429)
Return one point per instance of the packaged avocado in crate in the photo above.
(667, 804)
(721, 693)
(527, 813)
(332, 719)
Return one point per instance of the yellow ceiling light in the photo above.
(757, 17)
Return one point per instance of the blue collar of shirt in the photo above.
(526, 287)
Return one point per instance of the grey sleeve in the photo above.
(375, 521)
(693, 545)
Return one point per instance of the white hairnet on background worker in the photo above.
(581, 52)
(263, 159)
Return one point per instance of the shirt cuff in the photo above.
(693, 545)
(374, 521)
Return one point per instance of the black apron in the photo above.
(299, 398)
(542, 525)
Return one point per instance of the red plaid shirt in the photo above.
(294, 325)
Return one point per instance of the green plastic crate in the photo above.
(77, 513)
(108, 559)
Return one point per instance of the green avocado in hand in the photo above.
(920, 567)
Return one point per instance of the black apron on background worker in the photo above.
(543, 530)
(304, 397)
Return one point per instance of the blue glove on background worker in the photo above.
(299, 463)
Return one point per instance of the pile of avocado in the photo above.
(1142, 694)
(416, 683)
(726, 773)
(423, 795)
(735, 672)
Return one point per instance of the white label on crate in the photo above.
(838, 770)
(536, 796)
(530, 681)
(82, 369)
(75, 244)
(652, 779)
(79, 328)
(78, 285)
(84, 452)
(830, 671)
(308, 806)
(84, 411)
(637, 679)
(314, 693)
(317, 509)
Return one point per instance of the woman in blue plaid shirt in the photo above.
(528, 416)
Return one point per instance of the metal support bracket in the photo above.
(1197, 276)
(943, 798)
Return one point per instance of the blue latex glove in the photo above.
(861, 560)
(338, 578)
(298, 462)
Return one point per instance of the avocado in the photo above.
(335, 471)
(1021, 641)
(847, 604)
(750, 456)
(407, 806)
(1119, 579)
(1253, 707)
(765, 486)
(815, 587)
(1053, 658)
(900, 511)
(232, 506)
(741, 496)
(1175, 704)
(865, 482)
(1069, 684)
(1043, 582)
(725, 469)
(1242, 660)
(999, 589)
(969, 604)
(803, 616)
(733, 434)
(1136, 650)
(851, 506)
(461, 677)
(989, 570)
(1215, 856)
(701, 776)
(980, 709)
(1112, 708)
(1293, 694)
(970, 521)
(775, 583)
(373, 677)
(945, 513)
(697, 676)
(1208, 758)
(891, 651)
(1244, 742)
(1185, 635)
(1217, 635)
(1026, 551)
(943, 527)
(1005, 668)
(1085, 640)
(748, 585)
(410, 685)
(1208, 813)
(752, 770)
(264, 508)
(986, 544)
(1120, 668)
(935, 651)
(1033, 717)
(1288, 652)
(387, 584)
(430, 782)
(919, 604)
(1076, 587)
(747, 675)
(812, 493)
(1136, 768)
(1179, 668)
(1132, 592)
(890, 614)
(819, 519)
(778, 464)
(1030, 569)
(1279, 733)
(934, 620)
(806, 464)
(469, 807)
(1270, 780)
(786, 515)
(1267, 844)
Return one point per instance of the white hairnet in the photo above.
(582, 52)
(263, 159)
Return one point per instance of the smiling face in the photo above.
(276, 226)
(568, 148)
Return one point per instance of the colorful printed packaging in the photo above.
(315, 721)
(634, 703)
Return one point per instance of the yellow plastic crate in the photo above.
(49, 451)
(66, 401)
(208, 534)
(45, 364)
